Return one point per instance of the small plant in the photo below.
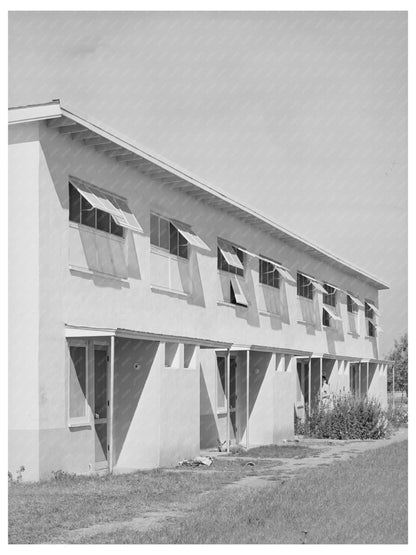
(62, 475)
(19, 474)
(10, 476)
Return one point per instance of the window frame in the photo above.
(329, 296)
(351, 304)
(82, 201)
(85, 420)
(300, 287)
(181, 241)
(223, 266)
(326, 315)
(275, 279)
(371, 328)
(368, 311)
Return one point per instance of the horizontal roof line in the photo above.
(55, 109)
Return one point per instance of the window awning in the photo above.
(319, 287)
(374, 308)
(355, 300)
(332, 314)
(190, 236)
(230, 255)
(116, 207)
(283, 271)
(239, 296)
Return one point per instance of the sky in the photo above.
(300, 115)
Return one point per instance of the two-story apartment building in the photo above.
(152, 316)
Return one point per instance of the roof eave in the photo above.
(55, 109)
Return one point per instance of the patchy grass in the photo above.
(359, 501)
(38, 512)
(279, 452)
(363, 500)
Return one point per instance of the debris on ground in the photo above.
(196, 461)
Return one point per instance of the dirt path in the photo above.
(327, 452)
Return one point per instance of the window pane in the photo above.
(325, 318)
(116, 229)
(182, 246)
(74, 204)
(154, 230)
(103, 221)
(174, 239)
(330, 298)
(164, 234)
(77, 382)
(87, 213)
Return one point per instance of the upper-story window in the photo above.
(330, 297)
(268, 273)
(370, 312)
(352, 305)
(93, 207)
(304, 286)
(165, 235)
(230, 258)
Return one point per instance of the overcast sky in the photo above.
(301, 115)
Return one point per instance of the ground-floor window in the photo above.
(78, 384)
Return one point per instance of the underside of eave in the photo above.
(125, 153)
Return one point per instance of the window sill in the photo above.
(83, 424)
(233, 305)
(267, 313)
(305, 323)
(353, 334)
(306, 299)
(89, 272)
(167, 291)
(221, 412)
(373, 337)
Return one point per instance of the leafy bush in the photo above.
(397, 416)
(348, 417)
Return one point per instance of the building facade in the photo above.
(161, 316)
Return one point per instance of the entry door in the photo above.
(354, 379)
(101, 405)
(303, 387)
(233, 394)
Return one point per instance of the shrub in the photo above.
(348, 417)
(397, 416)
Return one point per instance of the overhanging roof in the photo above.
(75, 331)
(95, 135)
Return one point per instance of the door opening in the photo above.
(101, 406)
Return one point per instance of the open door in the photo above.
(101, 362)
(233, 395)
(302, 395)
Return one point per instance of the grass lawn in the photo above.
(360, 501)
(363, 500)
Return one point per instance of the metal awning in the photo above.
(115, 206)
(189, 235)
(228, 252)
(90, 331)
